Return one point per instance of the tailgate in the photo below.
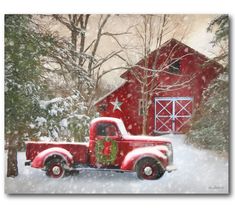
(32, 150)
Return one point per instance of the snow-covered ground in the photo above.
(198, 171)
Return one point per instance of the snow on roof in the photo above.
(116, 120)
(105, 118)
(106, 95)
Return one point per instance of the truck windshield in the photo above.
(106, 129)
(109, 129)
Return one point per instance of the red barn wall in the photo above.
(194, 64)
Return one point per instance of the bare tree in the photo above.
(77, 25)
(85, 54)
(147, 75)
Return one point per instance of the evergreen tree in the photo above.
(24, 47)
(62, 119)
(28, 50)
(210, 128)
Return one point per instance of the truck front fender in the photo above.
(135, 155)
(40, 159)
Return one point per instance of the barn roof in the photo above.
(106, 95)
(174, 41)
(170, 41)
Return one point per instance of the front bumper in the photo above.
(171, 168)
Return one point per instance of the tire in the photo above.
(149, 169)
(55, 168)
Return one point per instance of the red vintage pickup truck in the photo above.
(110, 148)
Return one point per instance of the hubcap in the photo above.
(148, 171)
(56, 170)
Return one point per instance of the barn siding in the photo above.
(129, 95)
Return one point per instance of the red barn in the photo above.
(184, 74)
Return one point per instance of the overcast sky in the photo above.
(192, 28)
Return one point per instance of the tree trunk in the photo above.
(144, 91)
(12, 165)
(144, 126)
(74, 43)
(145, 116)
(145, 107)
(83, 24)
(82, 46)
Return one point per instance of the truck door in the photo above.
(107, 144)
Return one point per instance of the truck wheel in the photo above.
(55, 168)
(149, 168)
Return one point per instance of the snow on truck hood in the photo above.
(143, 137)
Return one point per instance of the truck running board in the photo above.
(97, 169)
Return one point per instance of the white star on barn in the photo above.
(116, 105)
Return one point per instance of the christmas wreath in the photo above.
(106, 158)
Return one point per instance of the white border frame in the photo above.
(108, 6)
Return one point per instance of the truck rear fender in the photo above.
(40, 160)
(137, 154)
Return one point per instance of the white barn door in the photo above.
(172, 113)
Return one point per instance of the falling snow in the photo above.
(186, 50)
(129, 127)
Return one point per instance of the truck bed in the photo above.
(78, 150)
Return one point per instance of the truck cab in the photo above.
(110, 147)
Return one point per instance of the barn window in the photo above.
(141, 107)
(174, 67)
